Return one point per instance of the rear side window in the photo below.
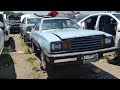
(91, 22)
(1, 18)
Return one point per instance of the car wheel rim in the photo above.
(43, 63)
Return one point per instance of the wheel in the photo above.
(45, 65)
(35, 49)
(43, 61)
(24, 39)
(7, 43)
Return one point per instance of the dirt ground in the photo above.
(15, 63)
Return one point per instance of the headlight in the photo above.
(108, 40)
(56, 46)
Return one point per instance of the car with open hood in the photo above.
(59, 39)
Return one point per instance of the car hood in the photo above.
(72, 33)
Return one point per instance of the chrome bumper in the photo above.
(76, 54)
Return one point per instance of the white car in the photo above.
(1, 38)
(107, 22)
(5, 28)
(26, 26)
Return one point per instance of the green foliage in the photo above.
(11, 12)
(8, 12)
(31, 59)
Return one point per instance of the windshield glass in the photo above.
(58, 24)
(117, 16)
(33, 20)
(13, 17)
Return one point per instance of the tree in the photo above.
(8, 12)
(19, 14)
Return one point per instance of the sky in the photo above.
(46, 12)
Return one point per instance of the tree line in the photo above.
(12, 13)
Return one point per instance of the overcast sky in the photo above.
(46, 12)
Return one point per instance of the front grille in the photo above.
(85, 43)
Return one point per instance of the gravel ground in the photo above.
(14, 65)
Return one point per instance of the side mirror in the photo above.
(1, 25)
(29, 28)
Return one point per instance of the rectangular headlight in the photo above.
(56, 46)
(108, 40)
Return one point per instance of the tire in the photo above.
(7, 43)
(35, 49)
(44, 64)
(24, 39)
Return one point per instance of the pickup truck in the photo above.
(58, 39)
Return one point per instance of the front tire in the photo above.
(43, 61)
(45, 65)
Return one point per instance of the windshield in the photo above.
(117, 16)
(12, 17)
(33, 20)
(58, 24)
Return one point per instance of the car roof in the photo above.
(33, 17)
(103, 14)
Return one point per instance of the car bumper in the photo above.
(15, 29)
(54, 57)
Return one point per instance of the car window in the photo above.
(37, 25)
(91, 22)
(1, 18)
(33, 20)
(23, 22)
(58, 24)
(108, 24)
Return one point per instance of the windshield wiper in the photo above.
(71, 27)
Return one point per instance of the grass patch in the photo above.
(34, 67)
(31, 59)
(27, 49)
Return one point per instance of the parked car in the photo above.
(107, 22)
(5, 28)
(61, 38)
(1, 38)
(14, 22)
(26, 27)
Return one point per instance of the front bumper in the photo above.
(53, 57)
